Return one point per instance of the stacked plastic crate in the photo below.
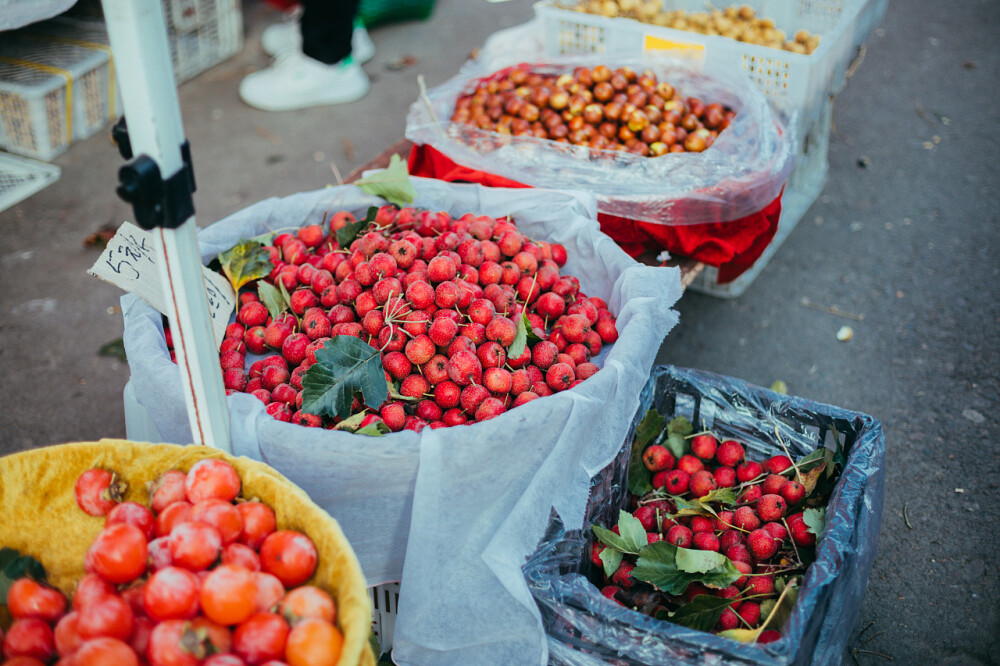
(801, 87)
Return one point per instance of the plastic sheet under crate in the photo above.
(51, 93)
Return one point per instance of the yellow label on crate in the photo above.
(654, 43)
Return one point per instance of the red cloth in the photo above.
(732, 246)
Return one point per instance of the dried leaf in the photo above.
(246, 261)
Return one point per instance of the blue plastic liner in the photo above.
(584, 628)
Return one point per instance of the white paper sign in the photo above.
(130, 263)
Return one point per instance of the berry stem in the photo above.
(798, 475)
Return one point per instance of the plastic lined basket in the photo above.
(585, 628)
(377, 12)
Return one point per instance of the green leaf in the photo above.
(782, 609)
(114, 349)
(246, 261)
(701, 613)
(677, 444)
(639, 477)
(632, 535)
(813, 459)
(686, 507)
(347, 233)
(13, 565)
(815, 520)
(520, 337)
(344, 366)
(699, 561)
(611, 558)
(680, 425)
(766, 606)
(376, 429)
(392, 183)
(657, 565)
(396, 395)
(273, 299)
(725, 496)
(779, 386)
(632, 531)
(650, 426)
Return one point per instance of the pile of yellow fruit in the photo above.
(739, 23)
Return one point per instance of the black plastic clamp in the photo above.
(155, 201)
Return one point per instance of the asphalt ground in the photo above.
(901, 246)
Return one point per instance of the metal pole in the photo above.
(138, 36)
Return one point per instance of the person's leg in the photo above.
(327, 26)
(322, 72)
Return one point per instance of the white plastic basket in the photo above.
(200, 33)
(51, 94)
(800, 87)
(21, 177)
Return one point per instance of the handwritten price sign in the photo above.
(130, 263)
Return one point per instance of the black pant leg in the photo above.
(327, 26)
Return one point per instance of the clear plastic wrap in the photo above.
(584, 628)
(451, 512)
(740, 174)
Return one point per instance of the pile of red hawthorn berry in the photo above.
(441, 298)
(759, 527)
(200, 576)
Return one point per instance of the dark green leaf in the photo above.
(114, 349)
(611, 558)
(680, 425)
(815, 520)
(347, 233)
(699, 561)
(246, 261)
(392, 184)
(657, 565)
(344, 366)
(650, 426)
(13, 565)
(639, 477)
(701, 613)
(676, 443)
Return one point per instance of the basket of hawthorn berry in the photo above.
(736, 522)
(125, 553)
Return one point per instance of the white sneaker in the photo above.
(296, 81)
(286, 36)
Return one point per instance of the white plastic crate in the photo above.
(803, 188)
(794, 83)
(385, 604)
(200, 33)
(51, 93)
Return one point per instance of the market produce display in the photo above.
(597, 107)
(715, 541)
(405, 319)
(740, 23)
(168, 555)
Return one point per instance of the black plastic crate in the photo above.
(584, 627)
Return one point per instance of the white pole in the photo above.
(138, 35)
